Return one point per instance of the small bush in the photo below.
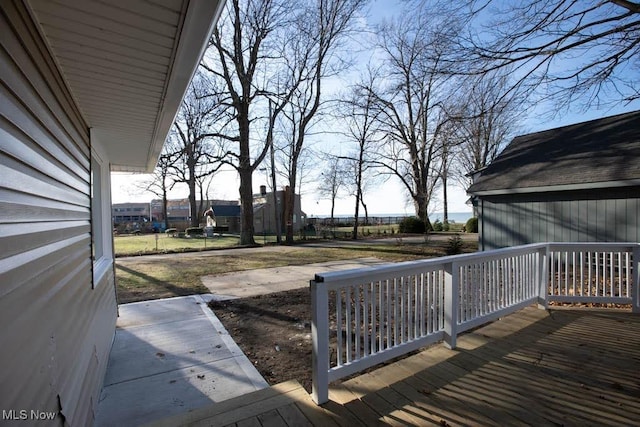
(194, 231)
(411, 225)
(472, 225)
(445, 226)
(437, 225)
(454, 245)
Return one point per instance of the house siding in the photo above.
(58, 326)
(581, 216)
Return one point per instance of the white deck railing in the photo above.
(367, 316)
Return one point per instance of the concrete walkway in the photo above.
(262, 281)
(171, 356)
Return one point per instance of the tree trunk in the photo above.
(354, 235)
(445, 199)
(289, 197)
(165, 211)
(201, 206)
(445, 205)
(246, 207)
(193, 208)
(366, 211)
(420, 202)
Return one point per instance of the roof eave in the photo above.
(198, 25)
(556, 188)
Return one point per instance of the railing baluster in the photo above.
(347, 298)
(590, 261)
(356, 322)
(628, 276)
(422, 304)
(403, 302)
(339, 329)
(374, 322)
(581, 273)
(566, 273)
(573, 274)
(389, 320)
(597, 256)
(611, 275)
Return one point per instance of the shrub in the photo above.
(445, 226)
(194, 231)
(454, 245)
(411, 224)
(437, 225)
(472, 225)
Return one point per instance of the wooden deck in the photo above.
(557, 368)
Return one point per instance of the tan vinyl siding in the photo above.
(57, 330)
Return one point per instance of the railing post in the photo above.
(543, 276)
(635, 288)
(451, 303)
(320, 341)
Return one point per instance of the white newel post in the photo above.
(542, 276)
(451, 303)
(320, 341)
(635, 289)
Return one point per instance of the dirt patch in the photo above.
(273, 331)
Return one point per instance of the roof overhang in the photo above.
(557, 188)
(127, 64)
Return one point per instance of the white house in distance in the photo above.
(85, 87)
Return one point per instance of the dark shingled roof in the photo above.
(226, 210)
(599, 151)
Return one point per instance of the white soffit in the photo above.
(128, 64)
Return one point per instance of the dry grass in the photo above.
(163, 276)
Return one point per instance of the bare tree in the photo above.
(160, 182)
(191, 137)
(487, 116)
(362, 128)
(573, 50)
(245, 58)
(411, 101)
(332, 181)
(319, 31)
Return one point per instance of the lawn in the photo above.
(163, 276)
(160, 242)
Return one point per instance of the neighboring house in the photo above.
(577, 183)
(227, 215)
(264, 212)
(179, 212)
(130, 212)
(85, 87)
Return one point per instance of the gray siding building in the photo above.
(86, 87)
(578, 183)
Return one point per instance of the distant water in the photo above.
(457, 217)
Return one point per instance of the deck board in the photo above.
(545, 368)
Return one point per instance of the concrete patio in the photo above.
(171, 356)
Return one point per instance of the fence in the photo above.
(367, 316)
